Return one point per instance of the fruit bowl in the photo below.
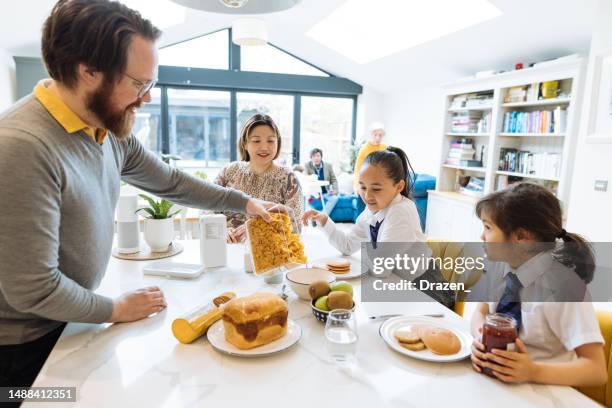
(321, 315)
(301, 277)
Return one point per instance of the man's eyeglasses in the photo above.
(143, 87)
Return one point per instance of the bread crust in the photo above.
(253, 307)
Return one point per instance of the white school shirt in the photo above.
(401, 224)
(550, 330)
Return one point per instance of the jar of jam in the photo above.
(499, 332)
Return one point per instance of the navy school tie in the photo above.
(374, 233)
(510, 302)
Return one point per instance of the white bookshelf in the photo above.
(471, 108)
(529, 176)
(466, 168)
(561, 142)
(532, 134)
(542, 102)
(466, 134)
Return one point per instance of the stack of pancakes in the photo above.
(338, 266)
(437, 340)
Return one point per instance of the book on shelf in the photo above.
(460, 151)
(463, 163)
(461, 154)
(474, 187)
(536, 121)
(541, 164)
(465, 122)
(516, 94)
(533, 92)
(472, 100)
(471, 122)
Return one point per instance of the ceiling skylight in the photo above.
(366, 30)
(162, 13)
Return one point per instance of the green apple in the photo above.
(343, 286)
(321, 304)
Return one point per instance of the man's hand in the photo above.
(138, 304)
(261, 208)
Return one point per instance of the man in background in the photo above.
(324, 172)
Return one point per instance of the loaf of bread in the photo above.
(255, 320)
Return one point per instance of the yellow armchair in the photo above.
(603, 393)
(446, 249)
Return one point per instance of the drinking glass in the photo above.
(341, 335)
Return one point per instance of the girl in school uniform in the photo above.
(386, 180)
(559, 337)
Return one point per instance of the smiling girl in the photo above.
(559, 340)
(257, 175)
(385, 185)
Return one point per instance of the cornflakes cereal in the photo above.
(274, 244)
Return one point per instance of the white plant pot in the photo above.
(158, 234)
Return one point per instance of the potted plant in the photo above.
(158, 224)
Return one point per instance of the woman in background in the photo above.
(374, 144)
(257, 175)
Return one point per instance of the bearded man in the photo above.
(63, 151)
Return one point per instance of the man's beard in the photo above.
(119, 122)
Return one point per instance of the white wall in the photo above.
(414, 122)
(590, 211)
(370, 108)
(8, 83)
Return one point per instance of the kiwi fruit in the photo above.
(318, 288)
(339, 300)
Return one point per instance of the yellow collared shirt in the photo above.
(63, 114)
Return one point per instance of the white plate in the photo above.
(354, 272)
(389, 327)
(216, 337)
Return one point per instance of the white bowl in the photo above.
(301, 277)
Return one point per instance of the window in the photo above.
(147, 127)
(198, 91)
(326, 123)
(207, 51)
(199, 127)
(267, 58)
(280, 108)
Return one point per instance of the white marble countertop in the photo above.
(142, 364)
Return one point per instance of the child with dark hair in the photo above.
(386, 180)
(559, 340)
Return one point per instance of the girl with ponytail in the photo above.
(539, 260)
(386, 181)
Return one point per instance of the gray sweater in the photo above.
(58, 193)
